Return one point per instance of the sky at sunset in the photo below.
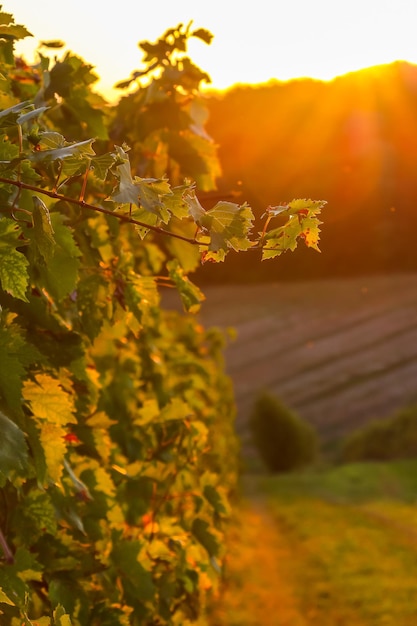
(253, 42)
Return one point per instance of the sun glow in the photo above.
(252, 43)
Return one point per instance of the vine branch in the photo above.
(92, 207)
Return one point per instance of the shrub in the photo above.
(284, 441)
(383, 440)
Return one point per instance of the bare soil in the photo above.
(340, 352)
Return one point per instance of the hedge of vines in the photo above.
(117, 449)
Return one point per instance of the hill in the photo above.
(339, 351)
(351, 142)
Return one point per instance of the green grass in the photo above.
(352, 529)
(339, 543)
(355, 483)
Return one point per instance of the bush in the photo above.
(383, 440)
(284, 441)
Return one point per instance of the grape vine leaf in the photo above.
(9, 116)
(79, 150)
(61, 276)
(61, 618)
(11, 369)
(49, 401)
(227, 224)
(13, 449)
(146, 193)
(201, 530)
(31, 115)
(135, 577)
(4, 598)
(37, 514)
(302, 222)
(43, 229)
(127, 191)
(52, 438)
(191, 295)
(14, 277)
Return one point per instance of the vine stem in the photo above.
(92, 207)
(4, 545)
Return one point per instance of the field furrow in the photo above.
(340, 352)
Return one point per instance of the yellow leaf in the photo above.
(100, 420)
(104, 482)
(54, 447)
(30, 574)
(49, 401)
(4, 598)
(148, 413)
(159, 550)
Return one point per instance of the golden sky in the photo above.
(253, 42)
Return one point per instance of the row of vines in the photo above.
(117, 449)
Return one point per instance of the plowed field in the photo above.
(339, 352)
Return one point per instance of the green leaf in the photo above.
(127, 192)
(79, 150)
(61, 273)
(135, 578)
(13, 449)
(51, 140)
(176, 203)
(8, 117)
(14, 276)
(302, 223)
(191, 296)
(61, 618)
(227, 224)
(102, 164)
(201, 530)
(196, 211)
(14, 31)
(37, 514)
(146, 193)
(31, 115)
(11, 372)
(152, 193)
(43, 230)
(217, 499)
(141, 296)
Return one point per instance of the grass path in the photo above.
(258, 588)
(305, 559)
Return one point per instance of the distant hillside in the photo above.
(352, 142)
(341, 352)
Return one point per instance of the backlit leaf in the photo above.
(9, 116)
(48, 400)
(42, 228)
(14, 277)
(229, 226)
(78, 149)
(302, 223)
(54, 447)
(191, 295)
